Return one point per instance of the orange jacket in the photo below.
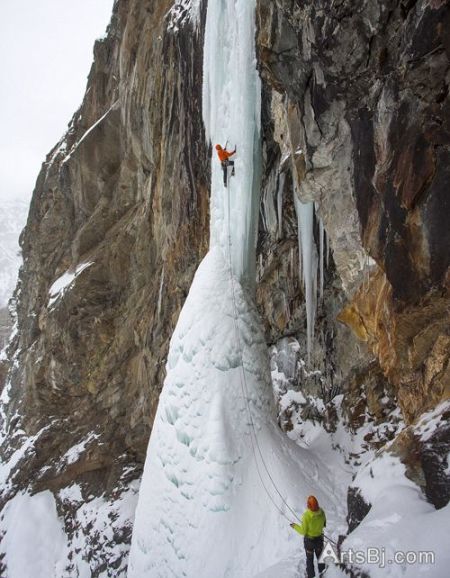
(223, 154)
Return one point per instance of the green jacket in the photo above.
(312, 524)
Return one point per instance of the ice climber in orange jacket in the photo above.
(224, 157)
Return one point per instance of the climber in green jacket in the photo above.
(311, 527)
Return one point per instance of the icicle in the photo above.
(281, 180)
(366, 272)
(287, 311)
(268, 214)
(321, 251)
(322, 239)
(305, 218)
(292, 262)
(300, 261)
(161, 285)
(301, 277)
(327, 250)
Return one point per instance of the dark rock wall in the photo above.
(368, 83)
(358, 96)
(127, 190)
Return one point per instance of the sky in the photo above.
(46, 51)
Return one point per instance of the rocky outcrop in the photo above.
(365, 89)
(411, 342)
(280, 288)
(358, 508)
(425, 449)
(359, 101)
(117, 225)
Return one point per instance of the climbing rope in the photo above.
(243, 382)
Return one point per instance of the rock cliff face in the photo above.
(117, 225)
(365, 92)
(363, 89)
(126, 191)
(355, 119)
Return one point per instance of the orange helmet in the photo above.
(218, 147)
(312, 503)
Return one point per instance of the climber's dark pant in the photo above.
(225, 165)
(313, 545)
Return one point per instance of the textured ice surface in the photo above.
(202, 508)
(231, 113)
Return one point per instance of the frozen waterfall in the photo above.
(231, 113)
(207, 505)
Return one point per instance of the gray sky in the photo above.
(45, 57)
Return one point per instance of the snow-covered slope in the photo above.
(37, 543)
(13, 215)
(207, 506)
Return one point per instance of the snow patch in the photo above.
(378, 477)
(431, 420)
(60, 149)
(26, 446)
(73, 454)
(63, 283)
(71, 494)
(401, 520)
(182, 12)
(102, 528)
(33, 541)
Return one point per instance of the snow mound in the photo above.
(203, 509)
(33, 542)
(407, 535)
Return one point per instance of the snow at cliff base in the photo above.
(202, 509)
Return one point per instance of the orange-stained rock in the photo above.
(412, 343)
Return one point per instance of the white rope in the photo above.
(243, 381)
